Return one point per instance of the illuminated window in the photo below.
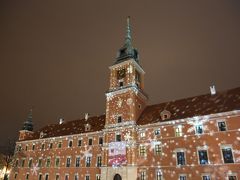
(159, 175)
(158, 149)
(68, 162)
(222, 126)
(182, 177)
(143, 175)
(181, 157)
(206, 177)
(157, 132)
(88, 161)
(98, 177)
(178, 131)
(199, 129)
(77, 161)
(142, 134)
(227, 154)
(203, 156)
(142, 151)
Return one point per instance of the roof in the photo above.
(184, 108)
(194, 106)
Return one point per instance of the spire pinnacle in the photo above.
(28, 125)
(128, 35)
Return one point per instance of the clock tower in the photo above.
(125, 101)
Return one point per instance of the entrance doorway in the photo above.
(117, 177)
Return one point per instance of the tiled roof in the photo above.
(70, 127)
(184, 108)
(194, 106)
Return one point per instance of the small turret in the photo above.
(27, 130)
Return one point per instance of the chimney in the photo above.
(61, 120)
(212, 90)
(86, 116)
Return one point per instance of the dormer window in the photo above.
(87, 127)
(165, 115)
(42, 134)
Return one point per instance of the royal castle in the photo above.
(193, 138)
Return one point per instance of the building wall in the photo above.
(211, 139)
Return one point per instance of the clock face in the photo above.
(121, 74)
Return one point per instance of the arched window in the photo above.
(117, 177)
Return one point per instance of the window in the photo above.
(119, 119)
(157, 132)
(143, 175)
(88, 161)
(42, 147)
(232, 177)
(40, 177)
(182, 177)
(159, 175)
(227, 154)
(57, 177)
(99, 161)
(79, 142)
(26, 147)
(57, 161)
(98, 177)
(87, 177)
(120, 83)
(142, 134)
(180, 158)
(206, 177)
(33, 147)
(40, 162)
(178, 131)
(118, 137)
(50, 145)
(203, 156)
(70, 142)
(48, 162)
(27, 176)
(15, 175)
(68, 163)
(142, 150)
(100, 140)
(23, 162)
(199, 129)
(76, 177)
(30, 162)
(158, 149)
(16, 163)
(66, 176)
(59, 144)
(46, 176)
(77, 161)
(90, 141)
(222, 126)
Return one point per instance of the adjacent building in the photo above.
(194, 138)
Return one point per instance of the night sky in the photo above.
(54, 55)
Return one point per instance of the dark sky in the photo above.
(54, 55)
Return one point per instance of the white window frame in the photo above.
(143, 171)
(155, 130)
(116, 134)
(206, 174)
(161, 174)
(86, 176)
(195, 128)
(70, 140)
(223, 146)
(184, 151)
(76, 175)
(199, 148)
(142, 134)
(222, 120)
(182, 175)
(49, 157)
(180, 132)
(66, 175)
(68, 157)
(46, 174)
(231, 174)
(55, 161)
(98, 175)
(145, 154)
(78, 156)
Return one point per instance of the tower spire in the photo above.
(28, 124)
(128, 37)
(127, 51)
